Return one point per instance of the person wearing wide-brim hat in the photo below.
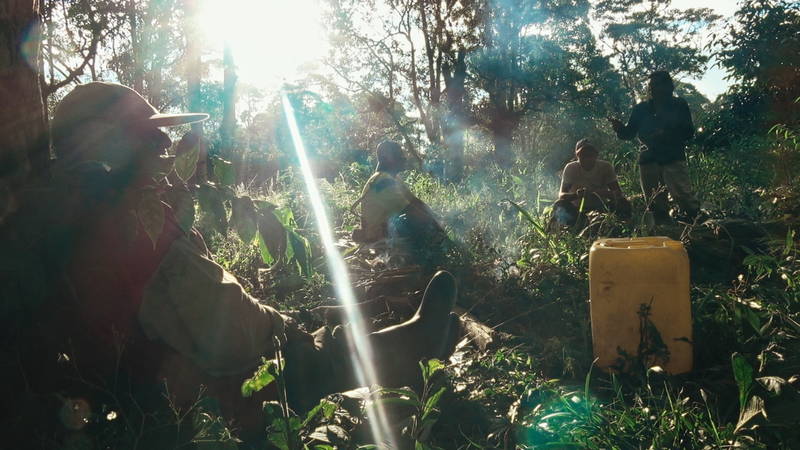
(156, 306)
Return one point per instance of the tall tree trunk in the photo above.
(194, 70)
(227, 129)
(136, 48)
(228, 125)
(455, 123)
(24, 138)
(502, 127)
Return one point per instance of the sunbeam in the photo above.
(361, 352)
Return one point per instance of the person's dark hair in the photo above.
(662, 76)
(585, 145)
(389, 150)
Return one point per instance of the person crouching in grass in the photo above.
(589, 184)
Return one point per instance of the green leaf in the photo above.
(266, 256)
(182, 203)
(295, 424)
(430, 367)
(279, 440)
(273, 409)
(150, 212)
(405, 392)
(527, 216)
(743, 373)
(262, 377)
(286, 217)
(432, 402)
(325, 407)
(212, 203)
(301, 250)
(243, 218)
(186, 162)
(272, 237)
(328, 409)
(224, 172)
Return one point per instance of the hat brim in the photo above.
(171, 120)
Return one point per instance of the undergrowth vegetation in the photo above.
(529, 281)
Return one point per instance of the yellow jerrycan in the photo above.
(640, 306)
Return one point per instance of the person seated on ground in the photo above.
(388, 208)
(589, 184)
(126, 306)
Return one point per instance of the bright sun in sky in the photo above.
(272, 40)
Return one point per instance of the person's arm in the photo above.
(199, 309)
(566, 192)
(628, 132)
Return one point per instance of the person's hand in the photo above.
(603, 192)
(616, 124)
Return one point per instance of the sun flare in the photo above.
(273, 41)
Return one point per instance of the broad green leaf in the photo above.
(432, 402)
(182, 203)
(272, 235)
(186, 162)
(279, 440)
(273, 409)
(295, 424)
(430, 367)
(328, 409)
(224, 172)
(325, 407)
(527, 216)
(301, 250)
(243, 218)
(286, 217)
(266, 256)
(211, 202)
(743, 373)
(260, 379)
(405, 392)
(150, 212)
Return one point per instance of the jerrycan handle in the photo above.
(637, 243)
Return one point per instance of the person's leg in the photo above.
(654, 190)
(593, 202)
(676, 176)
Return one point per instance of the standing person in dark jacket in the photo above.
(663, 124)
